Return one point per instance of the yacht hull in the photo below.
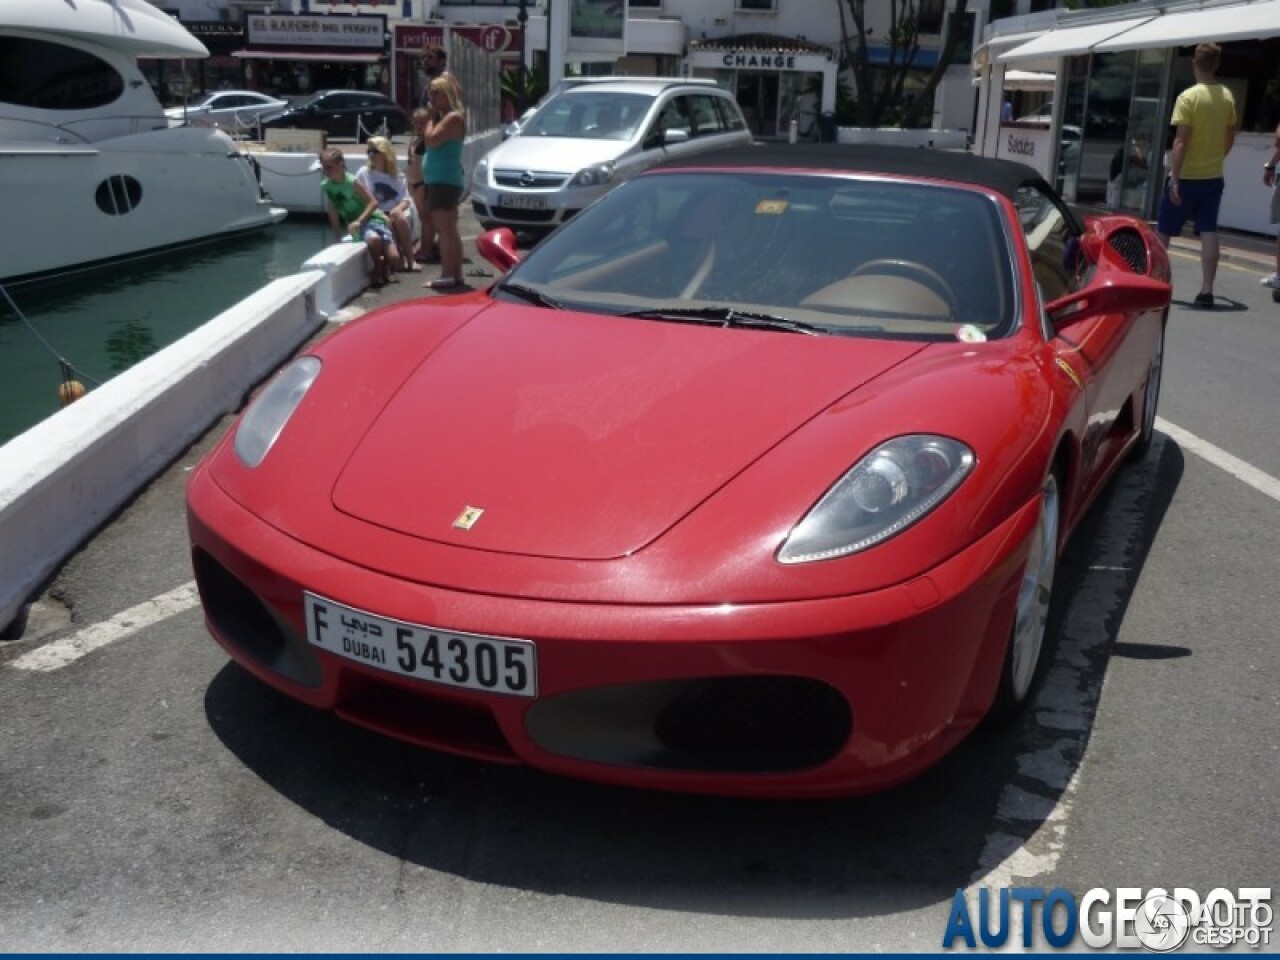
(85, 203)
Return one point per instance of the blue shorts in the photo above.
(378, 228)
(1200, 200)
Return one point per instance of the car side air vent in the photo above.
(1128, 243)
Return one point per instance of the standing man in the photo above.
(1269, 178)
(435, 64)
(1205, 121)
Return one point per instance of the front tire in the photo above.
(1023, 659)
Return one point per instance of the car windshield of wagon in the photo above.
(590, 115)
(842, 255)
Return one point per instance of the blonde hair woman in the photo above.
(382, 178)
(445, 131)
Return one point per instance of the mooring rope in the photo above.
(66, 366)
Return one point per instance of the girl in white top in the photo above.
(384, 181)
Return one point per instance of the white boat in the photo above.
(91, 168)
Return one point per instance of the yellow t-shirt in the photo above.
(1209, 110)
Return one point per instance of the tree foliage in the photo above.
(880, 90)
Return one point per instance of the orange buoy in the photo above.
(69, 391)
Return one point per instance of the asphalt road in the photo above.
(153, 796)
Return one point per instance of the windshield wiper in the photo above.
(531, 295)
(729, 317)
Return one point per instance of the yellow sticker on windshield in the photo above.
(774, 207)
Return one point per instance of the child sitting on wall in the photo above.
(353, 212)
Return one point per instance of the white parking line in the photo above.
(70, 649)
(1066, 704)
(1262, 482)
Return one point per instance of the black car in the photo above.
(343, 113)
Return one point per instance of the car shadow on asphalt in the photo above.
(907, 848)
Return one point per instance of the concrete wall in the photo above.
(60, 480)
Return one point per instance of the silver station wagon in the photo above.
(583, 142)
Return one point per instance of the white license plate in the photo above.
(425, 653)
(521, 201)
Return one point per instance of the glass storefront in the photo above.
(1115, 128)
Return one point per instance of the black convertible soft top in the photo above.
(1001, 176)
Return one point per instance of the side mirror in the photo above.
(498, 246)
(674, 136)
(1129, 294)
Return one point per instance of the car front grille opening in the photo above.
(756, 724)
(236, 610)
(426, 721)
(243, 620)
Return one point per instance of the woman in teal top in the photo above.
(445, 132)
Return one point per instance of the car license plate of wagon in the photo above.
(491, 664)
(521, 201)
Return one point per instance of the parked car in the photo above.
(354, 114)
(568, 83)
(236, 111)
(750, 479)
(588, 138)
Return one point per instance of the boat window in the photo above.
(50, 76)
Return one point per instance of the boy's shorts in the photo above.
(1200, 200)
(378, 228)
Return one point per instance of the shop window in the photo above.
(54, 77)
(930, 15)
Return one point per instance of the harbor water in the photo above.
(106, 321)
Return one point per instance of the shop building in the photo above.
(1104, 130)
(293, 54)
(781, 58)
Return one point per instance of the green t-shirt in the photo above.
(346, 202)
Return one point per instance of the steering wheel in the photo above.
(911, 271)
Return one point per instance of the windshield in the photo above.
(822, 253)
(590, 115)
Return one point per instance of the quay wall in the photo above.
(66, 476)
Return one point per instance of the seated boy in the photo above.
(353, 211)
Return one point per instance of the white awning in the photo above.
(1239, 21)
(1029, 80)
(331, 55)
(1065, 41)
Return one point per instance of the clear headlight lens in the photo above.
(482, 171)
(885, 492)
(267, 415)
(593, 176)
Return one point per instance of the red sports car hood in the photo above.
(557, 434)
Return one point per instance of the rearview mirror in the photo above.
(498, 246)
(1129, 294)
(675, 136)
